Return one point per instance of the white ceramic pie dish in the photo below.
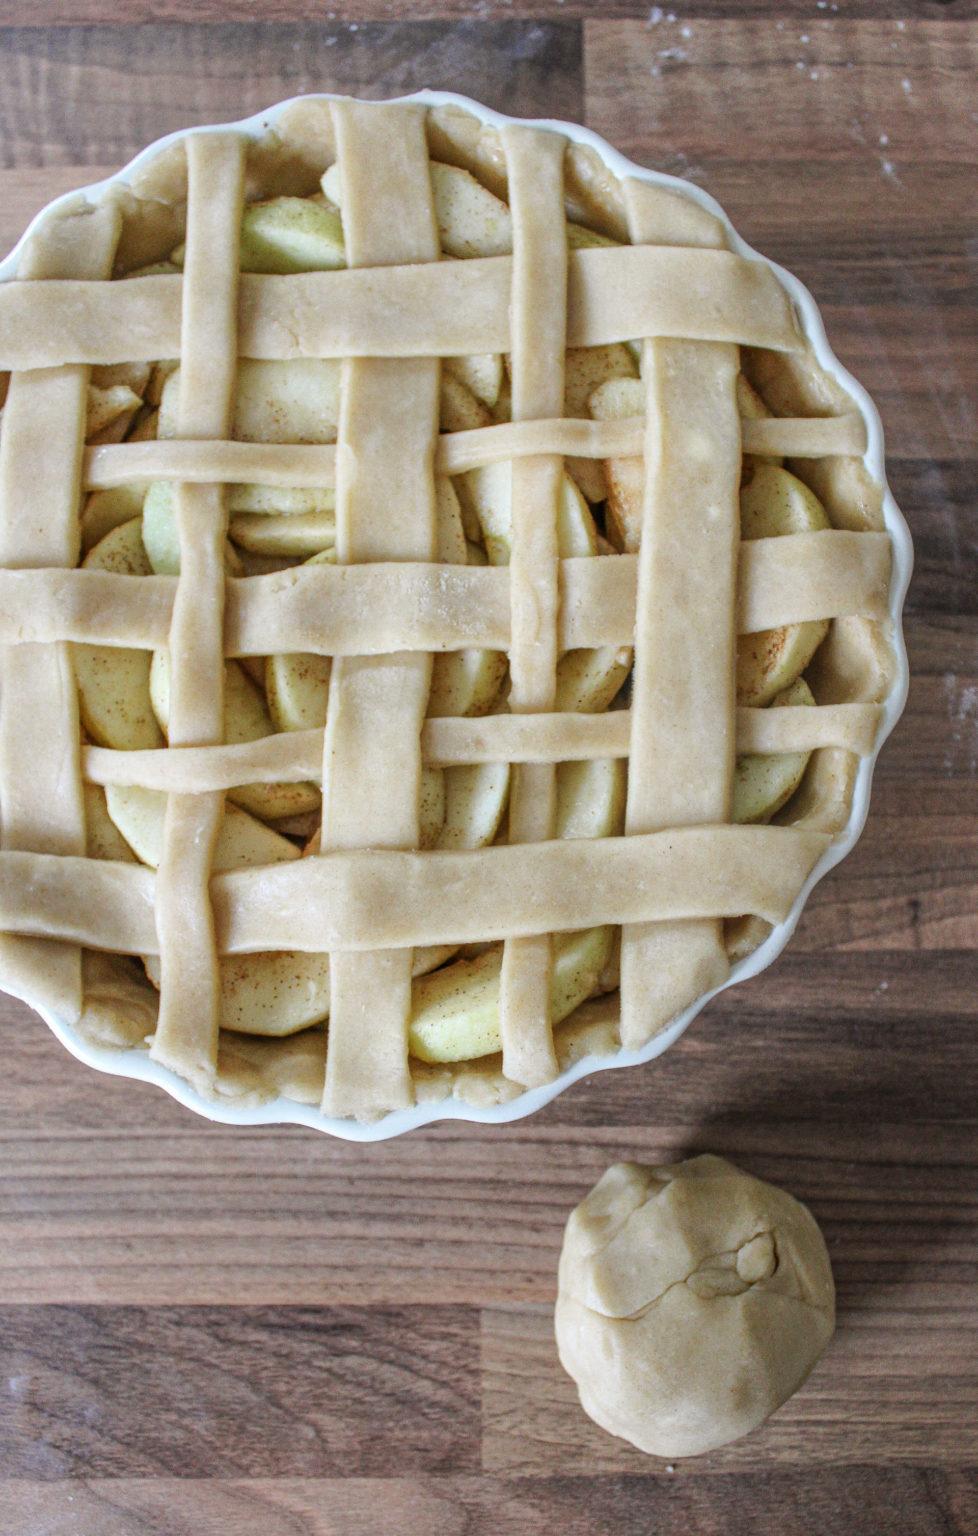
(136, 1062)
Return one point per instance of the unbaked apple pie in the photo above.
(443, 608)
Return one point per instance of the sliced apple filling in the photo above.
(125, 694)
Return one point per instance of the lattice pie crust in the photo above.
(552, 393)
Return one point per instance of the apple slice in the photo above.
(481, 373)
(580, 238)
(774, 502)
(135, 376)
(455, 1012)
(450, 525)
(294, 537)
(474, 801)
(620, 399)
(431, 806)
(246, 718)
(296, 401)
(159, 533)
(590, 798)
(588, 680)
(297, 690)
(490, 489)
(465, 682)
(109, 412)
(585, 368)
(113, 681)
(764, 782)
(458, 408)
(291, 234)
(471, 221)
(287, 234)
(103, 840)
(242, 841)
(287, 500)
(456, 1009)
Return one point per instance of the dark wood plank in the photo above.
(838, 1501)
(263, 1392)
(130, 12)
(534, 1424)
(57, 84)
(179, 1211)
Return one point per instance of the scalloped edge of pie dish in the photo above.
(134, 1062)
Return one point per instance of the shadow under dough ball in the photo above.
(693, 1301)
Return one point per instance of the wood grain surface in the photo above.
(210, 1330)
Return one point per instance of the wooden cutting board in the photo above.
(214, 1330)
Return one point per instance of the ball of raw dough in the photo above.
(693, 1300)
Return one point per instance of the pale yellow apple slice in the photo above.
(588, 680)
(474, 801)
(242, 841)
(471, 221)
(159, 373)
(764, 782)
(585, 369)
(291, 234)
(455, 1012)
(246, 718)
(450, 524)
(774, 502)
(105, 510)
(431, 806)
(113, 681)
(579, 237)
(465, 682)
(159, 533)
(273, 993)
(293, 537)
(620, 399)
(103, 840)
(289, 500)
(144, 427)
(109, 412)
(456, 1009)
(278, 992)
(297, 690)
(282, 235)
(481, 373)
(458, 408)
(590, 798)
(490, 489)
(296, 401)
(135, 376)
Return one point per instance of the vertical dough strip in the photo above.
(683, 729)
(187, 1033)
(385, 510)
(41, 805)
(535, 164)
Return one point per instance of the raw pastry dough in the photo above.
(693, 1301)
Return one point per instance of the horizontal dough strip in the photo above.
(372, 609)
(295, 756)
(559, 738)
(366, 900)
(435, 309)
(306, 465)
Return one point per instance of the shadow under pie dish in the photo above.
(448, 586)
